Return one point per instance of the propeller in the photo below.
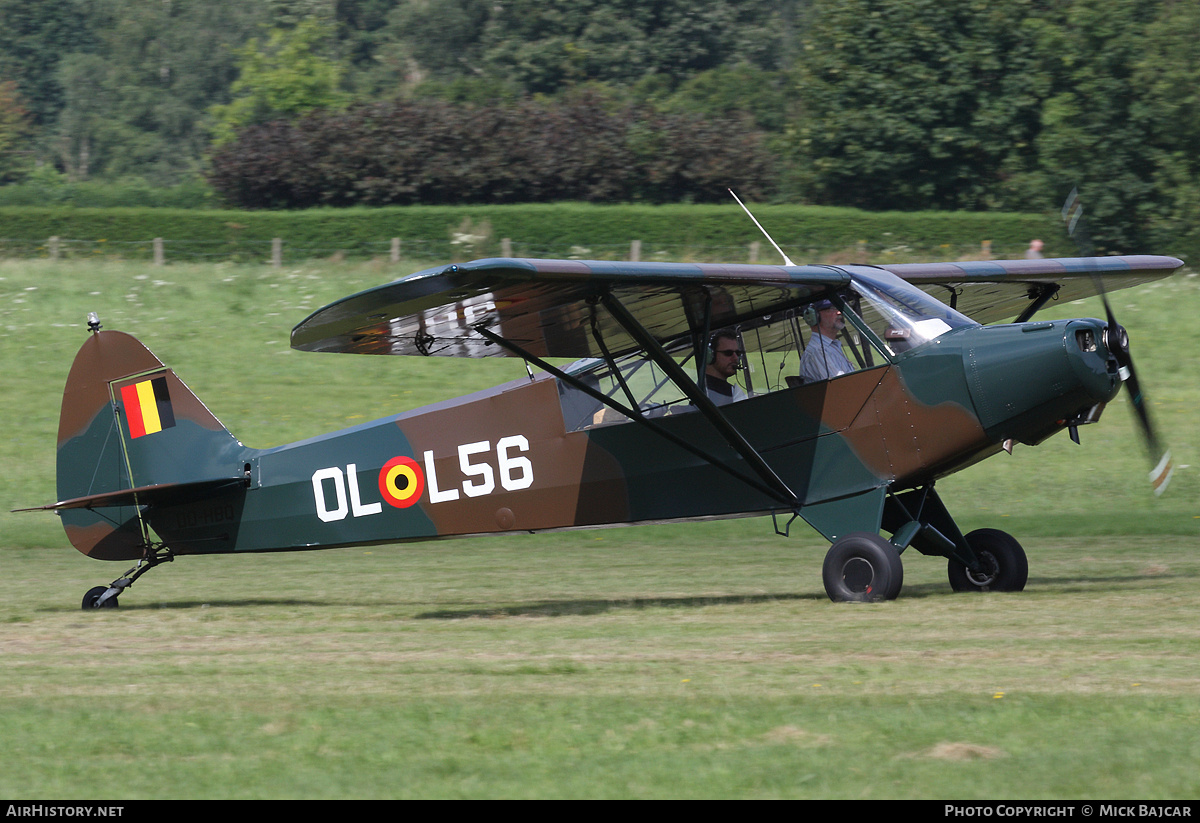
(1116, 339)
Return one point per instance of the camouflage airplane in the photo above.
(643, 425)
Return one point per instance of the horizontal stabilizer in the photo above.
(162, 494)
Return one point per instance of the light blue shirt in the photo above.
(823, 359)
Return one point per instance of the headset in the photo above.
(812, 312)
(710, 350)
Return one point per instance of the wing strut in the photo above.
(700, 399)
(1038, 296)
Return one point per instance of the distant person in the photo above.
(824, 358)
(1034, 252)
(724, 359)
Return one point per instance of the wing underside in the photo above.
(991, 291)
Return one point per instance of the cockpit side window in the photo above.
(636, 382)
(773, 353)
(865, 325)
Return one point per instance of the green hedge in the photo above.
(535, 230)
(46, 187)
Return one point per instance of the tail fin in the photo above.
(130, 430)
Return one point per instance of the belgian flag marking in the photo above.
(148, 406)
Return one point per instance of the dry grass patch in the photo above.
(960, 752)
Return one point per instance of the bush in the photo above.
(44, 186)
(433, 152)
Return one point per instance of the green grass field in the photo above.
(690, 660)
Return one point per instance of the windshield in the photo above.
(900, 314)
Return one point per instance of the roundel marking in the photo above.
(401, 482)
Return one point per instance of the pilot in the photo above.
(824, 358)
(724, 359)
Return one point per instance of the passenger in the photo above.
(824, 358)
(724, 359)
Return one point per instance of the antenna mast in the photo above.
(787, 261)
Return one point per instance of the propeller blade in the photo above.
(1161, 475)
(1117, 341)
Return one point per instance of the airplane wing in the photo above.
(548, 307)
(989, 291)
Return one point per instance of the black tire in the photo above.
(93, 594)
(1005, 566)
(862, 568)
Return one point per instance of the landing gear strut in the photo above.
(105, 597)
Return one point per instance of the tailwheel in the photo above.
(862, 567)
(92, 600)
(1003, 566)
(105, 597)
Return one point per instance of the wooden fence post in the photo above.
(754, 252)
(506, 247)
(54, 247)
(635, 251)
(395, 249)
(276, 252)
(159, 257)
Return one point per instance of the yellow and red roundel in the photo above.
(401, 482)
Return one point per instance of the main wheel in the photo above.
(93, 594)
(862, 567)
(1004, 565)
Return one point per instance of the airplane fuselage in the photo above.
(502, 460)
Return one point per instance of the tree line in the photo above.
(408, 152)
(878, 104)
